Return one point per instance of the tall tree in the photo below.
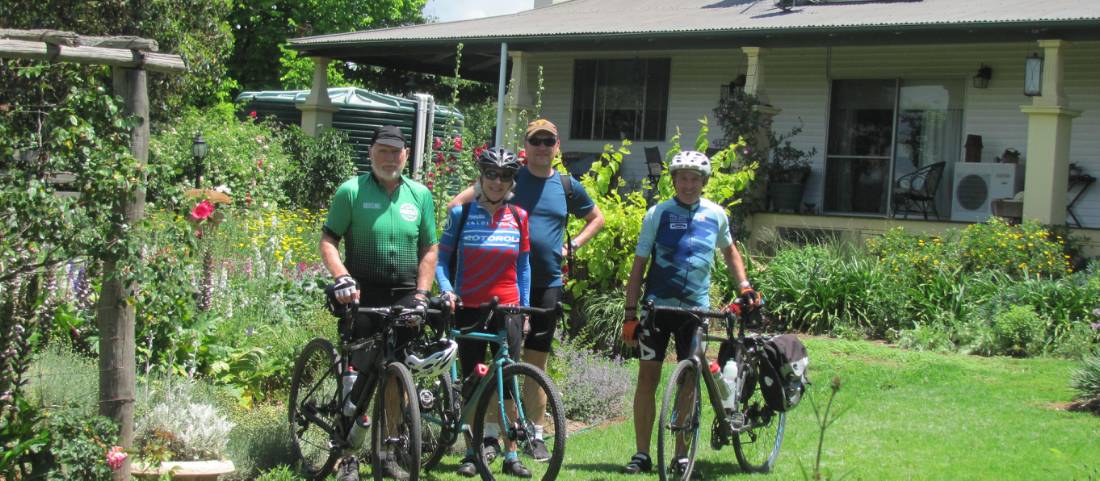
(202, 37)
(261, 26)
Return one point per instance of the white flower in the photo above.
(223, 189)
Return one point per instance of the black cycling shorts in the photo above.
(541, 335)
(653, 342)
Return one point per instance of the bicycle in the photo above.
(322, 430)
(446, 417)
(754, 429)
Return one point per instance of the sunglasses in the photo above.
(543, 141)
(501, 175)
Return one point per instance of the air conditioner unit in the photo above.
(976, 185)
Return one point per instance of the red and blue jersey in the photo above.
(493, 256)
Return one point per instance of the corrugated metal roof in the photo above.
(632, 17)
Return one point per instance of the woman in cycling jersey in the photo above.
(484, 253)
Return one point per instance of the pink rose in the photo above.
(437, 143)
(478, 151)
(458, 143)
(202, 210)
(253, 114)
(439, 157)
(430, 185)
(116, 456)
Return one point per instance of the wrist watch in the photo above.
(424, 292)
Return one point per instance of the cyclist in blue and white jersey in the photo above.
(678, 240)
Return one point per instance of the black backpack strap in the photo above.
(515, 214)
(458, 241)
(567, 186)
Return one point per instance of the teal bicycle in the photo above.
(495, 388)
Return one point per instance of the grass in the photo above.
(910, 415)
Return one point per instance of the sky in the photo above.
(447, 10)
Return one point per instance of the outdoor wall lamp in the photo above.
(1033, 75)
(199, 149)
(981, 79)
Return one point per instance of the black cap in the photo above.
(389, 135)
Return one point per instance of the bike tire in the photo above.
(437, 419)
(757, 443)
(403, 445)
(315, 390)
(555, 431)
(677, 425)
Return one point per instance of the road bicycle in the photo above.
(444, 417)
(322, 430)
(754, 429)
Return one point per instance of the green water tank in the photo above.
(359, 113)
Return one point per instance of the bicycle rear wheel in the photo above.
(314, 408)
(757, 442)
(678, 433)
(439, 411)
(542, 455)
(395, 437)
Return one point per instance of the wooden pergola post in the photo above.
(129, 58)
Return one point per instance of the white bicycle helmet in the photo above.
(432, 359)
(690, 160)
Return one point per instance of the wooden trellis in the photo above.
(129, 58)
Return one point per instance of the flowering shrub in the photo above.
(1018, 250)
(246, 156)
(82, 446)
(1025, 249)
(597, 387)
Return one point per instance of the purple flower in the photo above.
(1095, 326)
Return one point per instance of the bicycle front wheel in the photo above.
(314, 408)
(678, 434)
(538, 433)
(395, 437)
(439, 412)
(757, 442)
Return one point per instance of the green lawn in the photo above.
(910, 415)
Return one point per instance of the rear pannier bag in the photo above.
(783, 377)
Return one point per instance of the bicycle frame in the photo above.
(698, 355)
(375, 361)
(501, 359)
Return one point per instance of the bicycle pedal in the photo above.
(736, 421)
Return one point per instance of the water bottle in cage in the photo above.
(358, 432)
(348, 382)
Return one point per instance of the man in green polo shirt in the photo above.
(388, 223)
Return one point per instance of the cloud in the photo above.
(449, 10)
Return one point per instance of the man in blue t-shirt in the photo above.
(539, 191)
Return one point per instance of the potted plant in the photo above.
(787, 172)
(181, 439)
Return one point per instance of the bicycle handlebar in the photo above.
(651, 307)
(395, 312)
(495, 305)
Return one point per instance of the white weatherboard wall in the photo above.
(798, 82)
(695, 82)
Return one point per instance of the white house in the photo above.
(880, 88)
